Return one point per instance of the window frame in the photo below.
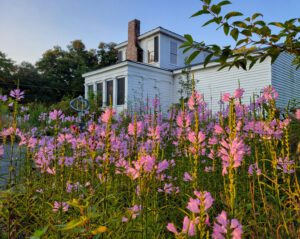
(107, 92)
(120, 101)
(174, 54)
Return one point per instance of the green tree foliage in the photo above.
(255, 39)
(58, 74)
(7, 69)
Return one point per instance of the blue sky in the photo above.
(29, 27)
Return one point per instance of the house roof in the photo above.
(121, 64)
(152, 32)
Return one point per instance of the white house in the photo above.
(151, 65)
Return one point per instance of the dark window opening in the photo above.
(90, 92)
(156, 49)
(100, 94)
(120, 91)
(120, 56)
(109, 92)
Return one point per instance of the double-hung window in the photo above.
(173, 53)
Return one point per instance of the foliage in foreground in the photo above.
(190, 175)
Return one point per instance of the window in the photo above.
(153, 50)
(120, 91)
(90, 92)
(100, 94)
(173, 52)
(109, 92)
(156, 49)
(120, 56)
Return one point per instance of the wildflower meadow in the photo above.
(188, 173)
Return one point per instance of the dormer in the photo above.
(158, 47)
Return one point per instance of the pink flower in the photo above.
(3, 98)
(218, 129)
(226, 97)
(56, 115)
(1, 150)
(193, 205)
(270, 93)
(297, 114)
(162, 166)
(59, 205)
(139, 128)
(187, 177)
(107, 115)
(253, 167)
(188, 226)
(238, 93)
(194, 100)
(223, 227)
(172, 228)
(232, 153)
(17, 94)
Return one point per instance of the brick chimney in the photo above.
(134, 52)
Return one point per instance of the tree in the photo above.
(107, 54)
(255, 40)
(7, 69)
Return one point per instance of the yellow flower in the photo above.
(99, 230)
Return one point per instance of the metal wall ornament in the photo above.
(80, 105)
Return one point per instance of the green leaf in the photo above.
(233, 14)
(207, 59)
(261, 23)
(253, 62)
(209, 22)
(189, 38)
(201, 12)
(277, 24)
(246, 33)
(39, 233)
(234, 33)
(239, 24)
(226, 28)
(242, 41)
(216, 9)
(224, 3)
(207, 1)
(192, 56)
(256, 15)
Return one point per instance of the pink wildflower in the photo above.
(226, 97)
(238, 93)
(194, 100)
(172, 228)
(108, 114)
(58, 205)
(17, 94)
(232, 153)
(139, 128)
(187, 177)
(1, 150)
(3, 98)
(270, 93)
(223, 226)
(56, 115)
(297, 114)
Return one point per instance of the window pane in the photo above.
(109, 92)
(99, 94)
(121, 91)
(156, 50)
(90, 92)
(173, 52)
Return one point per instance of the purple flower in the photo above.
(187, 177)
(56, 115)
(58, 205)
(238, 93)
(3, 98)
(1, 150)
(223, 227)
(17, 94)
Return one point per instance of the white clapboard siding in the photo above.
(146, 82)
(286, 79)
(212, 83)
